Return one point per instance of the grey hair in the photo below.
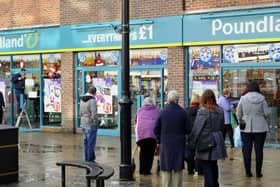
(148, 101)
(173, 96)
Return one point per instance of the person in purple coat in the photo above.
(172, 125)
(145, 137)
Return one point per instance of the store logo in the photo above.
(264, 25)
(29, 40)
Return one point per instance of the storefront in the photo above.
(96, 60)
(32, 51)
(101, 65)
(226, 49)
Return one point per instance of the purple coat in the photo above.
(145, 122)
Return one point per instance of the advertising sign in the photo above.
(52, 95)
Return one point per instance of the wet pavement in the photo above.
(40, 151)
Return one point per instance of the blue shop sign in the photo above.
(30, 40)
(232, 27)
(154, 32)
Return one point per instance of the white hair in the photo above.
(173, 96)
(148, 101)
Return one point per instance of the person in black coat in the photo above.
(193, 164)
(171, 127)
(19, 85)
(2, 106)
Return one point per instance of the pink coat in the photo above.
(145, 122)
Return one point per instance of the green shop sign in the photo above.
(232, 27)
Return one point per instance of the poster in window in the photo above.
(52, 95)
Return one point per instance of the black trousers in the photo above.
(146, 157)
(1, 115)
(211, 173)
(248, 139)
(228, 130)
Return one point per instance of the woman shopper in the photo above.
(145, 137)
(193, 164)
(207, 138)
(172, 125)
(253, 109)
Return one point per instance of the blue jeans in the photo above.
(20, 98)
(90, 133)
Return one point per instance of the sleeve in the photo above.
(93, 110)
(239, 110)
(157, 129)
(265, 109)
(15, 77)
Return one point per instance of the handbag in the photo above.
(242, 125)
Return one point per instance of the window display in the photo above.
(148, 57)
(204, 69)
(99, 58)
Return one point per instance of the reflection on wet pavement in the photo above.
(40, 151)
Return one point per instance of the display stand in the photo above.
(23, 114)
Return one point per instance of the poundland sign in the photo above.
(19, 41)
(266, 24)
(236, 26)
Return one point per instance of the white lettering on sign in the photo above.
(11, 42)
(144, 32)
(264, 25)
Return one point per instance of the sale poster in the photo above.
(52, 95)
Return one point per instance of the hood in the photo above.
(254, 97)
(87, 97)
(148, 107)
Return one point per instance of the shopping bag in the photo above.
(237, 137)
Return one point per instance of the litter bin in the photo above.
(9, 154)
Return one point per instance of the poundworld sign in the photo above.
(235, 26)
(29, 41)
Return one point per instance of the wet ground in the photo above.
(40, 151)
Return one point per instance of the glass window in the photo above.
(269, 81)
(99, 58)
(204, 64)
(106, 83)
(26, 61)
(51, 65)
(148, 57)
(268, 52)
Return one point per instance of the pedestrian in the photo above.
(145, 137)
(225, 104)
(19, 84)
(193, 164)
(88, 113)
(253, 110)
(171, 127)
(207, 138)
(2, 107)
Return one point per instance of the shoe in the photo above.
(259, 175)
(195, 174)
(249, 175)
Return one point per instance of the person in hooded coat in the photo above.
(88, 113)
(145, 137)
(253, 110)
(172, 125)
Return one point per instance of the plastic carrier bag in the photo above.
(237, 137)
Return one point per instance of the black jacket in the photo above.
(18, 84)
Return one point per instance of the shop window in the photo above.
(26, 61)
(51, 68)
(51, 65)
(99, 58)
(268, 52)
(148, 57)
(5, 86)
(106, 83)
(204, 65)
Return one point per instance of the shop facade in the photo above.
(226, 49)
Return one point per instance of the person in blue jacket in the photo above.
(225, 104)
(18, 80)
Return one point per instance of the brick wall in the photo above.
(191, 5)
(68, 91)
(176, 72)
(87, 11)
(19, 13)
